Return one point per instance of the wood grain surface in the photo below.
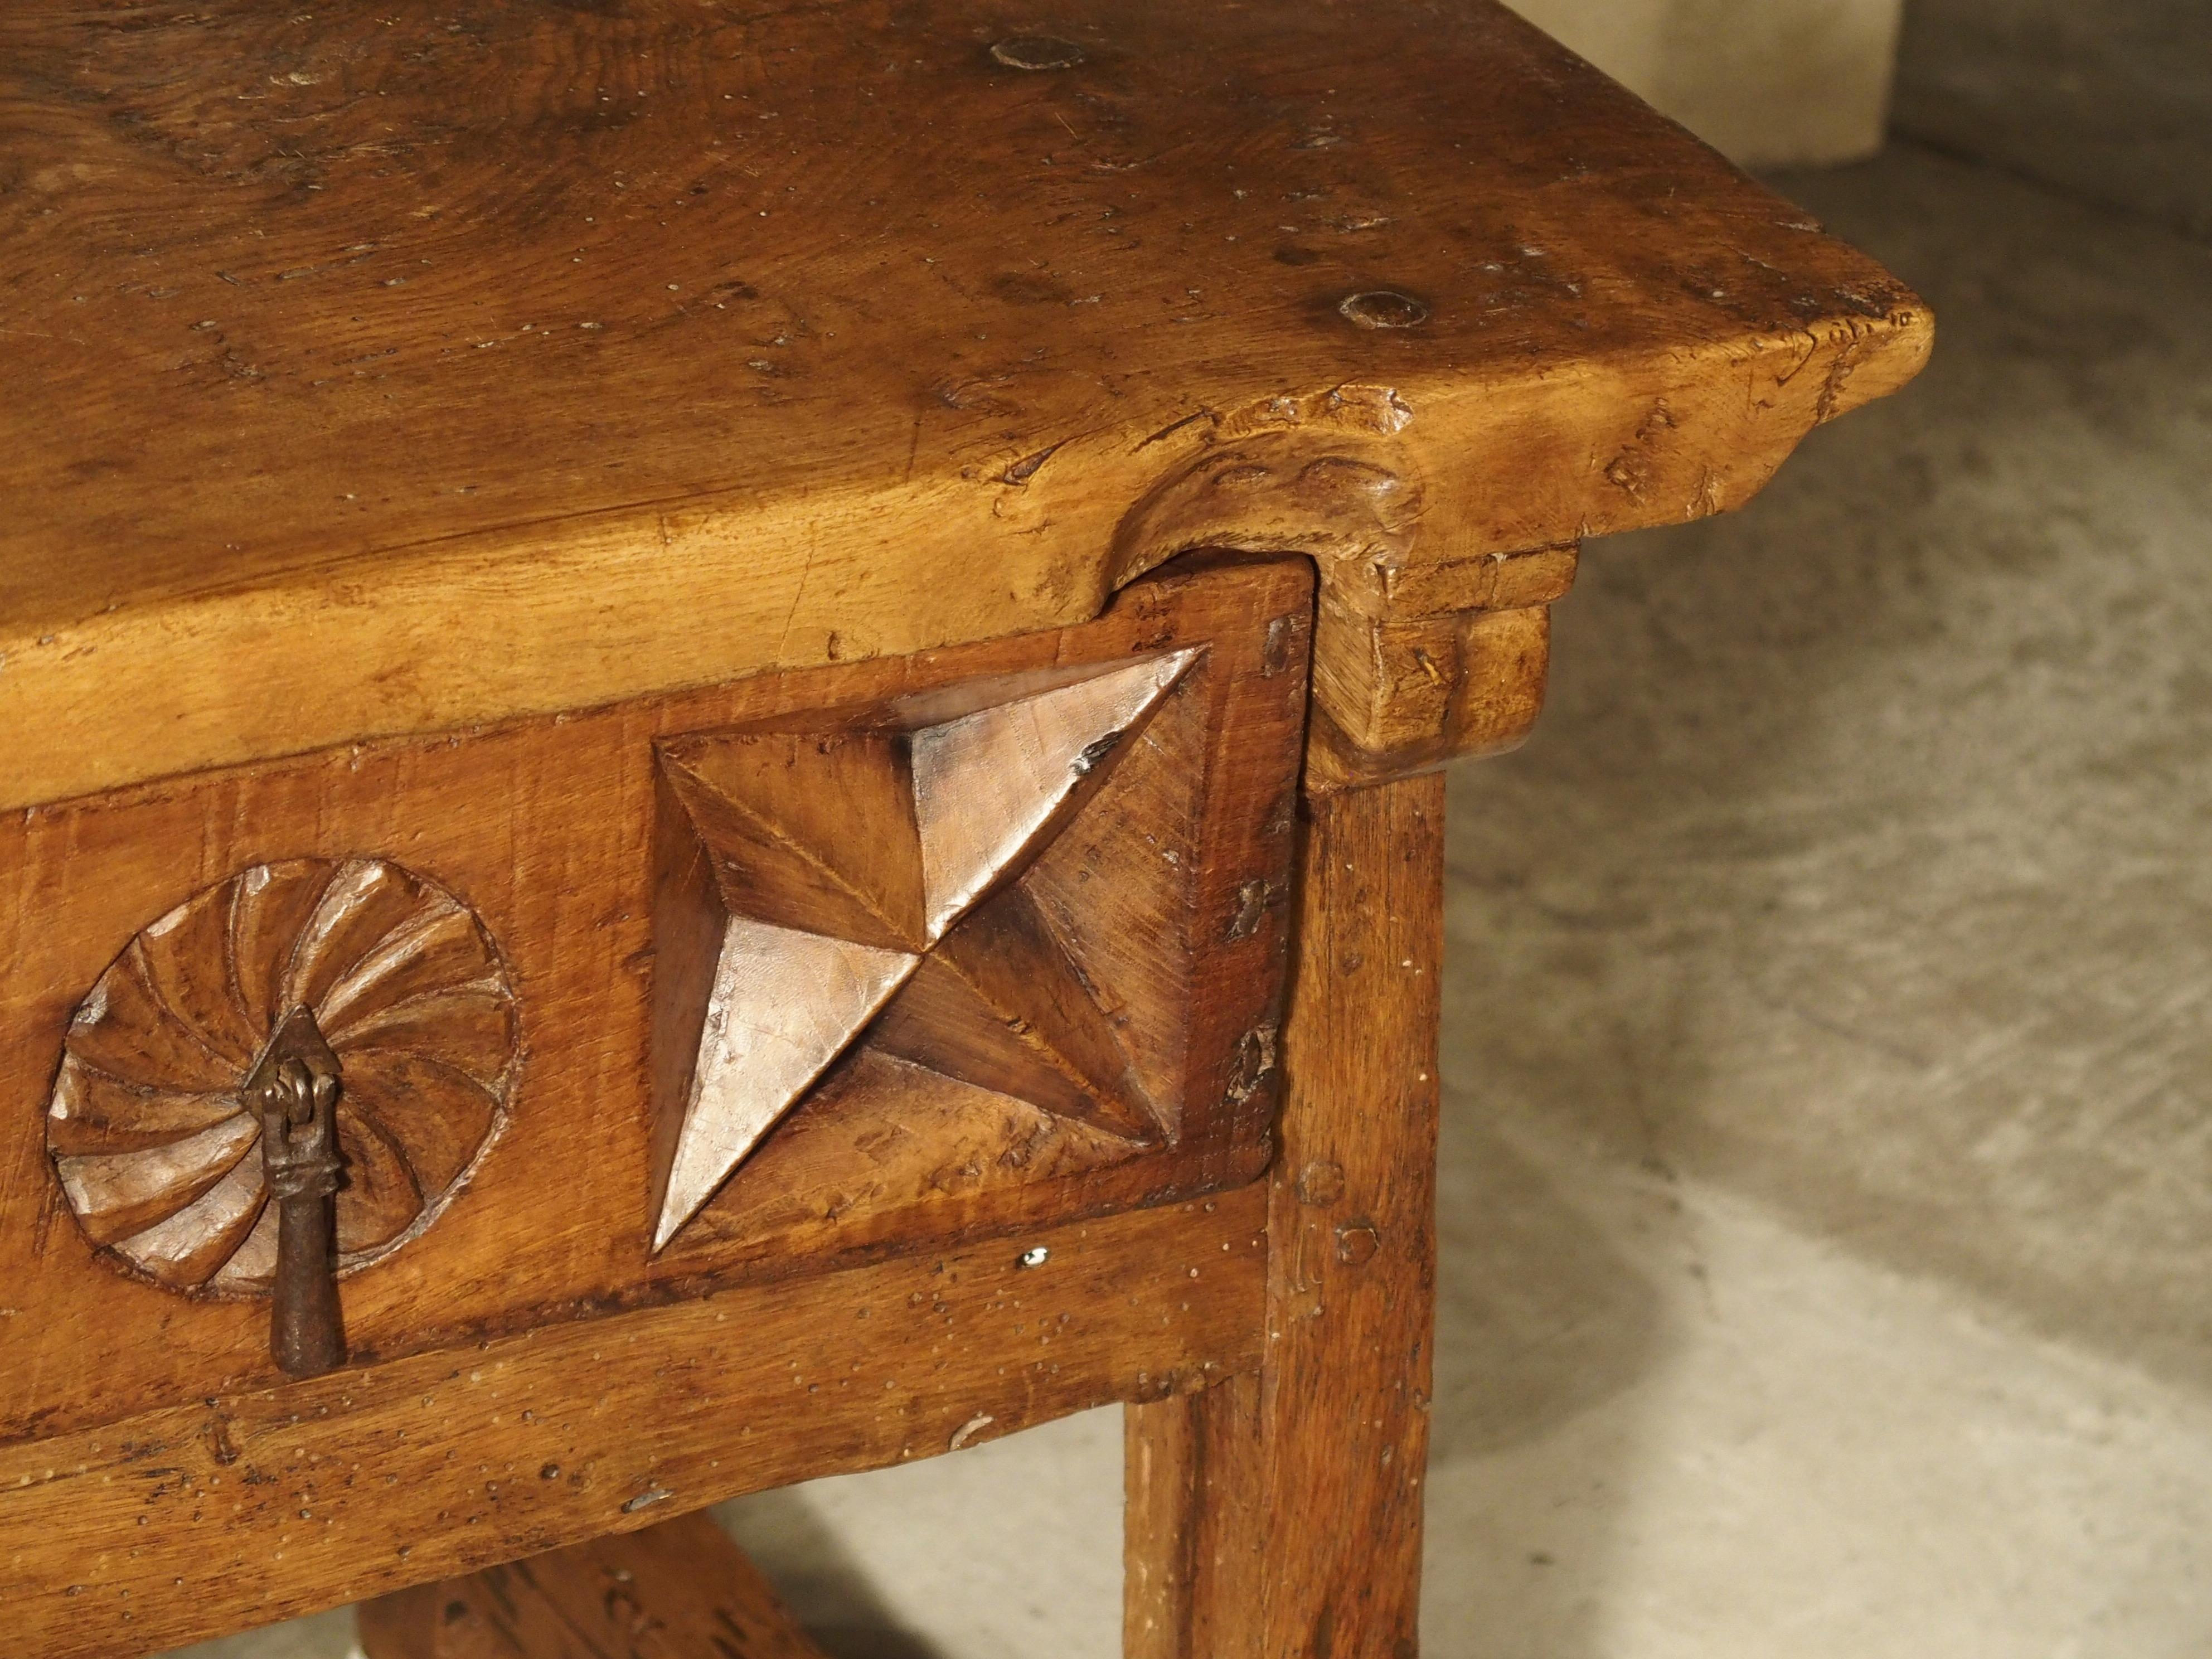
(392, 368)
(679, 1590)
(1278, 1516)
(1170, 886)
(199, 1519)
(1397, 698)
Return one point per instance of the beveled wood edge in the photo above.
(176, 1525)
(1377, 483)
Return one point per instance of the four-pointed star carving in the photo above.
(863, 881)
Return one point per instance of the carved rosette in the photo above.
(157, 1153)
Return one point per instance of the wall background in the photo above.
(1768, 82)
(2109, 101)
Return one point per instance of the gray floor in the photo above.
(2110, 102)
(1826, 1222)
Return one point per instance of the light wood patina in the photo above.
(405, 366)
(891, 574)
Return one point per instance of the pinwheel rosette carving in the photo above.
(157, 1150)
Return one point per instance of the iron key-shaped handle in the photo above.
(294, 1090)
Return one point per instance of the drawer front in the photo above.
(623, 1005)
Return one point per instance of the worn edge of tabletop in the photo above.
(447, 636)
(1394, 470)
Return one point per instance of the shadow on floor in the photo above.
(825, 1587)
(1539, 1320)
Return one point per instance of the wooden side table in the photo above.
(719, 756)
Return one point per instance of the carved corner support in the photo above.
(1406, 697)
(1422, 654)
(1449, 661)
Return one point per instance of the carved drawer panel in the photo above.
(393, 1047)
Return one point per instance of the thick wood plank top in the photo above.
(461, 356)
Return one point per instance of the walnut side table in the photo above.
(719, 731)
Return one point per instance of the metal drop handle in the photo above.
(293, 1089)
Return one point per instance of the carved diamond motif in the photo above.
(822, 883)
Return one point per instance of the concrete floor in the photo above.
(1828, 1035)
(2109, 102)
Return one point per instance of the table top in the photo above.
(386, 366)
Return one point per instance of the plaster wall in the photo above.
(1768, 82)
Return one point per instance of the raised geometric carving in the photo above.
(994, 785)
(784, 1005)
(1001, 1005)
(815, 830)
(155, 1143)
(829, 882)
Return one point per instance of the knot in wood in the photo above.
(1356, 1243)
(1036, 52)
(1383, 308)
(1320, 1184)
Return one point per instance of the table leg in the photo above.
(1278, 1516)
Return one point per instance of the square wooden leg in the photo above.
(1278, 1516)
